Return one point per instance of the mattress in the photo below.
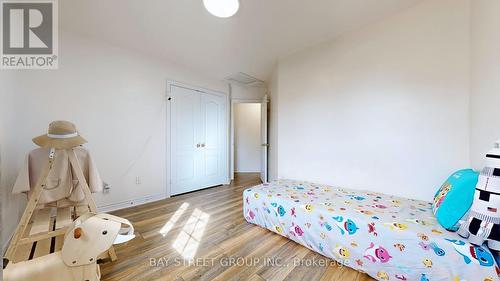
(387, 237)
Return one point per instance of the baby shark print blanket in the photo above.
(388, 237)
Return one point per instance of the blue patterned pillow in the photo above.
(454, 198)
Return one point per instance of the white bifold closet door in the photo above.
(198, 140)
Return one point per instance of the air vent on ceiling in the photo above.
(245, 80)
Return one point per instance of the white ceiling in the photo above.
(182, 31)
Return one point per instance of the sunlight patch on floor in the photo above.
(189, 238)
(171, 222)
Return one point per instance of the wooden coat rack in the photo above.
(42, 227)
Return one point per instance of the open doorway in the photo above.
(249, 137)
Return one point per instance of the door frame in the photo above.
(168, 131)
(235, 101)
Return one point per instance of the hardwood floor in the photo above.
(207, 228)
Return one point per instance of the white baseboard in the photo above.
(131, 203)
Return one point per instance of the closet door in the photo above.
(198, 140)
(213, 166)
(185, 127)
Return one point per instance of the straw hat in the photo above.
(61, 135)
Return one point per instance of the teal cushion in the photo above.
(454, 198)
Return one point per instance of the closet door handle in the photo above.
(202, 145)
(198, 145)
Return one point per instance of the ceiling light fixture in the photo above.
(222, 8)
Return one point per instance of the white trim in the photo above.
(229, 125)
(131, 203)
(168, 109)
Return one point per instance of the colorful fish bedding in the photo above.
(388, 237)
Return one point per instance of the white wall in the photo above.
(485, 94)
(116, 98)
(5, 114)
(384, 108)
(247, 140)
(247, 93)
